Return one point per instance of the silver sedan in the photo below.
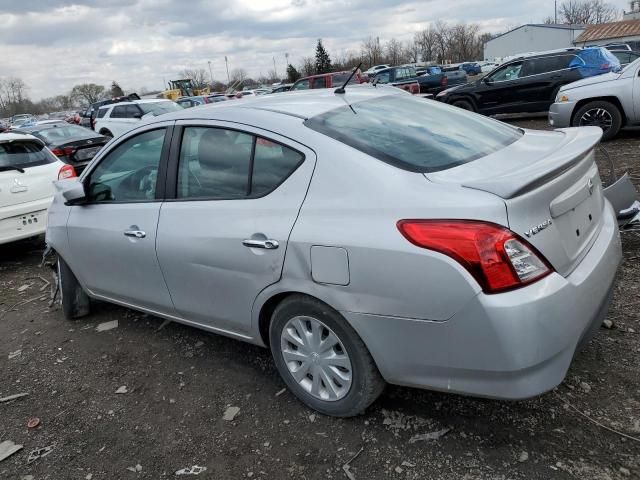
(364, 237)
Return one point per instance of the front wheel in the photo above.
(464, 104)
(322, 359)
(600, 114)
(75, 302)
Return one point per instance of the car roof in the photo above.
(302, 104)
(137, 102)
(12, 137)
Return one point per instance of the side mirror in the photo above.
(73, 192)
(487, 81)
(137, 115)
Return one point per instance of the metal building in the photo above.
(532, 38)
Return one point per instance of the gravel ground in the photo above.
(179, 381)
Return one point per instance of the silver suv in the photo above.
(364, 237)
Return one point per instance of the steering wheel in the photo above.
(143, 180)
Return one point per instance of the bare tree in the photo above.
(238, 75)
(198, 76)
(393, 51)
(585, 12)
(308, 66)
(442, 35)
(426, 41)
(371, 51)
(88, 93)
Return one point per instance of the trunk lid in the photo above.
(551, 187)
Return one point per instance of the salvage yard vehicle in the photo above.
(114, 119)
(72, 144)
(529, 83)
(432, 81)
(327, 80)
(27, 172)
(606, 101)
(364, 235)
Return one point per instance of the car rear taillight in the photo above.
(445, 81)
(63, 152)
(67, 171)
(496, 257)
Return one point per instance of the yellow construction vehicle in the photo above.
(183, 88)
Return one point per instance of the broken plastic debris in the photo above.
(15, 354)
(195, 470)
(8, 448)
(122, 389)
(33, 422)
(281, 392)
(24, 287)
(136, 469)
(230, 413)
(13, 397)
(103, 327)
(429, 436)
(39, 453)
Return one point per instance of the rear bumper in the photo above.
(513, 345)
(560, 114)
(23, 220)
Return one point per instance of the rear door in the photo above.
(223, 238)
(123, 118)
(542, 78)
(112, 237)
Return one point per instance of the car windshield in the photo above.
(633, 64)
(414, 134)
(23, 154)
(159, 108)
(56, 135)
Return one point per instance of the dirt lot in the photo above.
(179, 382)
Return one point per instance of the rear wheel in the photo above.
(600, 114)
(322, 359)
(464, 104)
(75, 302)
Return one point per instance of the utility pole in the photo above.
(226, 62)
(555, 10)
(275, 70)
(210, 74)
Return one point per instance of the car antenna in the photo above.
(341, 89)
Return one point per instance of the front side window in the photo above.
(413, 134)
(129, 172)
(510, 72)
(217, 163)
(301, 85)
(384, 77)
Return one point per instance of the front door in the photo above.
(222, 240)
(499, 91)
(112, 237)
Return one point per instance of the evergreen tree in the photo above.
(292, 74)
(323, 61)
(116, 90)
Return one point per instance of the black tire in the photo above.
(464, 105)
(367, 383)
(75, 302)
(106, 133)
(609, 108)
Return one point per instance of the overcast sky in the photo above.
(55, 44)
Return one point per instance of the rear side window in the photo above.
(217, 163)
(537, 66)
(119, 111)
(23, 155)
(414, 134)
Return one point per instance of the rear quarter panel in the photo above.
(354, 202)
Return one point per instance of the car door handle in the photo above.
(135, 233)
(268, 244)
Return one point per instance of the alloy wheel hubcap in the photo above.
(597, 117)
(316, 358)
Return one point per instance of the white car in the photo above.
(488, 66)
(117, 118)
(27, 172)
(375, 69)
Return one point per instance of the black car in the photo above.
(525, 84)
(72, 144)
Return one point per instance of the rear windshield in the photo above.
(60, 134)
(23, 154)
(415, 134)
(158, 108)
